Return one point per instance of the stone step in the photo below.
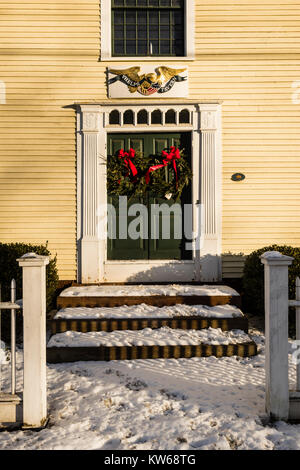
(138, 317)
(148, 344)
(158, 295)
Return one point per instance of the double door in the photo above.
(158, 247)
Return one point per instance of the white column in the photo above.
(34, 340)
(89, 242)
(276, 331)
(210, 193)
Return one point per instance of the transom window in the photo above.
(147, 27)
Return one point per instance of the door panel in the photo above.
(152, 248)
(136, 143)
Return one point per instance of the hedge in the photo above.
(253, 277)
(9, 269)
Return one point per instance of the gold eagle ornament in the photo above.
(160, 81)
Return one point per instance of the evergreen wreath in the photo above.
(132, 174)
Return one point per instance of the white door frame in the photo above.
(92, 129)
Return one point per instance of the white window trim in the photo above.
(106, 34)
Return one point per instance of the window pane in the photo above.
(165, 47)
(165, 3)
(142, 17)
(164, 32)
(142, 117)
(153, 3)
(165, 17)
(118, 3)
(177, 18)
(114, 117)
(170, 117)
(142, 32)
(119, 47)
(118, 32)
(130, 32)
(128, 117)
(130, 47)
(155, 49)
(142, 48)
(153, 17)
(130, 3)
(130, 17)
(178, 48)
(177, 33)
(154, 32)
(118, 17)
(184, 116)
(156, 117)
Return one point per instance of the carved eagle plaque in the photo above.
(159, 82)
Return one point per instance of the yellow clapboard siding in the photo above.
(247, 55)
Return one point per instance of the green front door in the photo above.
(123, 247)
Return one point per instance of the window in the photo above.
(148, 28)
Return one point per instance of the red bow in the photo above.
(127, 156)
(168, 157)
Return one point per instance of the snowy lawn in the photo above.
(199, 403)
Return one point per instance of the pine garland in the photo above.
(163, 182)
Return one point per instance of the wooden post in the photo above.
(34, 312)
(276, 330)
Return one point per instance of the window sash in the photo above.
(129, 37)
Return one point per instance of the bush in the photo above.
(9, 269)
(253, 277)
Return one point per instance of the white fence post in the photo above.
(34, 312)
(276, 330)
(298, 331)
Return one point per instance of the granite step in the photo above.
(165, 342)
(138, 317)
(158, 295)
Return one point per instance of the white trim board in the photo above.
(93, 126)
(106, 36)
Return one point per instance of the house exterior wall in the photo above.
(246, 55)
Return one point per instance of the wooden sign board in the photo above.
(148, 81)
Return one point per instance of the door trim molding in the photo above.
(92, 129)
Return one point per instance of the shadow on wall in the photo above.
(232, 270)
(210, 272)
(168, 272)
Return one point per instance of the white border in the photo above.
(106, 53)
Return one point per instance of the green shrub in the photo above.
(9, 269)
(253, 277)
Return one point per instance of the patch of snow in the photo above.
(4, 356)
(162, 404)
(148, 337)
(272, 254)
(149, 311)
(146, 290)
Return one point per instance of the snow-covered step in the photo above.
(163, 342)
(137, 317)
(159, 295)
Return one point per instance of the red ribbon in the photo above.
(127, 156)
(168, 158)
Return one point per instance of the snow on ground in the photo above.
(149, 311)
(148, 337)
(146, 290)
(199, 403)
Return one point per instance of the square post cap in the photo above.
(274, 258)
(32, 259)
